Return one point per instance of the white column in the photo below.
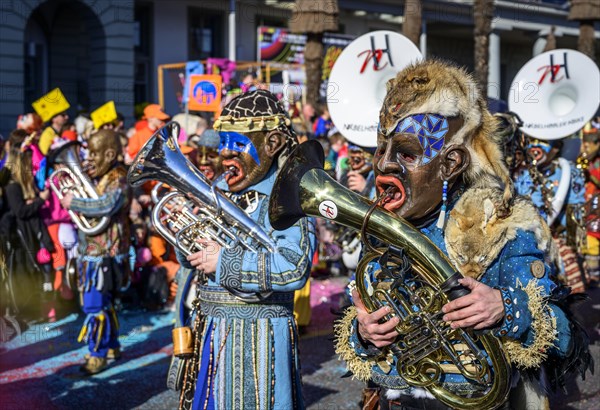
(232, 30)
(423, 39)
(494, 66)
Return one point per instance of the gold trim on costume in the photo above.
(360, 367)
(250, 124)
(543, 326)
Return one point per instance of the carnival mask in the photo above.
(102, 153)
(590, 147)
(413, 160)
(248, 156)
(209, 162)
(542, 153)
(359, 160)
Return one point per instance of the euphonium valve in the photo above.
(410, 275)
(160, 159)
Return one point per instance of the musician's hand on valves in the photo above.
(480, 309)
(369, 327)
(207, 259)
(65, 201)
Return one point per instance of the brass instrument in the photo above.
(72, 178)
(427, 348)
(171, 213)
(218, 219)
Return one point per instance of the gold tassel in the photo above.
(82, 333)
(99, 331)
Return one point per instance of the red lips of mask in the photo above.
(396, 195)
(237, 173)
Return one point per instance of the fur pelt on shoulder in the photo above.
(475, 234)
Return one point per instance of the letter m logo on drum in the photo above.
(205, 92)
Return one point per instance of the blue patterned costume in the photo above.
(575, 196)
(103, 261)
(569, 270)
(249, 350)
(533, 327)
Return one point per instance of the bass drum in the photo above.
(556, 93)
(357, 85)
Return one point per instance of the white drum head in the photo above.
(356, 87)
(555, 93)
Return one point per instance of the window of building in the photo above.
(143, 52)
(206, 34)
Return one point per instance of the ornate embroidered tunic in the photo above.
(575, 195)
(249, 352)
(532, 328)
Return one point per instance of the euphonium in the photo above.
(218, 219)
(427, 348)
(71, 178)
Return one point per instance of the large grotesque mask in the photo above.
(104, 147)
(360, 160)
(434, 127)
(542, 153)
(591, 143)
(254, 132)
(208, 160)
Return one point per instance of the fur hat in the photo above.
(437, 87)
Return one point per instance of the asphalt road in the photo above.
(39, 369)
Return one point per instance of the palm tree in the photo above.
(411, 27)
(483, 13)
(313, 18)
(586, 12)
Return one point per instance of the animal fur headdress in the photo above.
(436, 87)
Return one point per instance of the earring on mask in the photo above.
(442, 218)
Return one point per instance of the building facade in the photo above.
(100, 50)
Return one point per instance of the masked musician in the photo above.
(556, 188)
(207, 147)
(439, 165)
(591, 155)
(104, 260)
(359, 177)
(247, 349)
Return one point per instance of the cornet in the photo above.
(71, 178)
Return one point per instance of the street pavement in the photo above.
(40, 368)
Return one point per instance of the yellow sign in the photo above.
(51, 104)
(205, 92)
(104, 114)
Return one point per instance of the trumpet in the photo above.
(218, 218)
(72, 178)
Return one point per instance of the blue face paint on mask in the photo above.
(543, 146)
(430, 129)
(238, 142)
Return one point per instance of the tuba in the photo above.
(427, 348)
(218, 218)
(72, 178)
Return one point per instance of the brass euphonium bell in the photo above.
(218, 219)
(427, 348)
(71, 177)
